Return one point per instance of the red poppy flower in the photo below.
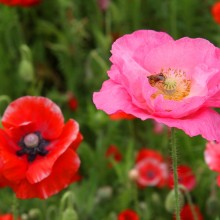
(113, 152)
(186, 177)
(216, 12)
(23, 3)
(72, 101)
(151, 169)
(128, 215)
(37, 149)
(121, 115)
(186, 213)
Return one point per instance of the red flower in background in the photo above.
(186, 177)
(121, 115)
(72, 101)
(24, 3)
(37, 149)
(128, 215)
(113, 152)
(151, 169)
(7, 217)
(186, 213)
(216, 12)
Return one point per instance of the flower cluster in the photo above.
(37, 150)
(151, 169)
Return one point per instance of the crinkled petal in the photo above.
(113, 98)
(42, 112)
(205, 122)
(62, 175)
(41, 167)
(127, 45)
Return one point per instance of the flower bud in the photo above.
(26, 69)
(212, 206)
(68, 214)
(170, 202)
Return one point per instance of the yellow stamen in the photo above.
(174, 85)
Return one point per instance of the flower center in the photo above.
(32, 144)
(31, 140)
(173, 84)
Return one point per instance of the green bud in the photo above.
(69, 214)
(26, 70)
(212, 206)
(170, 202)
(34, 213)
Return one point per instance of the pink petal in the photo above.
(205, 122)
(113, 98)
(212, 156)
(127, 45)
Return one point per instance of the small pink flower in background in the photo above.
(121, 115)
(158, 127)
(175, 82)
(113, 152)
(186, 177)
(128, 214)
(151, 169)
(212, 158)
(103, 4)
(186, 213)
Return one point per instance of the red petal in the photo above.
(41, 167)
(42, 112)
(149, 153)
(61, 176)
(13, 167)
(77, 142)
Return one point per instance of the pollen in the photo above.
(174, 85)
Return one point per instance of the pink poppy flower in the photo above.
(150, 168)
(186, 177)
(175, 82)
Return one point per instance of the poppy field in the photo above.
(109, 110)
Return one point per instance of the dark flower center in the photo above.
(150, 174)
(32, 144)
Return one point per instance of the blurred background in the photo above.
(60, 49)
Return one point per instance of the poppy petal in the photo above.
(46, 115)
(41, 167)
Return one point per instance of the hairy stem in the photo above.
(175, 174)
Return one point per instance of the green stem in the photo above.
(15, 208)
(189, 201)
(175, 174)
(173, 18)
